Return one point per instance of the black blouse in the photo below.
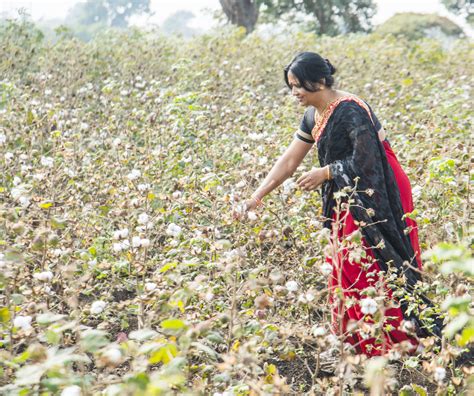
(350, 145)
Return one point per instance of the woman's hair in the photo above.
(308, 68)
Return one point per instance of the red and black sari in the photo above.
(347, 140)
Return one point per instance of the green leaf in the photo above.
(4, 315)
(456, 325)
(173, 324)
(45, 204)
(93, 340)
(164, 354)
(48, 318)
(419, 390)
(142, 335)
(207, 350)
(467, 336)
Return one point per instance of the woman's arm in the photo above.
(284, 167)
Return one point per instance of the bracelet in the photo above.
(258, 201)
(327, 169)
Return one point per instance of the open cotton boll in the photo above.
(291, 286)
(150, 286)
(97, 307)
(368, 306)
(136, 241)
(44, 276)
(173, 230)
(143, 218)
(22, 322)
(72, 390)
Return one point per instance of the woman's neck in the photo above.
(325, 98)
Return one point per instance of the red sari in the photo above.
(354, 278)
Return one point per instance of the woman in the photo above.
(354, 155)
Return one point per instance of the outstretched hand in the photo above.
(312, 179)
(240, 211)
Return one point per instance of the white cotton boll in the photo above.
(44, 276)
(134, 174)
(319, 331)
(22, 322)
(24, 202)
(143, 187)
(3, 139)
(116, 142)
(143, 218)
(150, 286)
(136, 241)
(177, 194)
(368, 306)
(209, 296)
(326, 268)
(252, 216)
(8, 157)
(16, 181)
(241, 184)
(97, 307)
(112, 355)
(263, 161)
(116, 235)
(123, 233)
(302, 299)
(309, 296)
(173, 230)
(47, 161)
(117, 247)
(291, 286)
(145, 243)
(72, 390)
(439, 374)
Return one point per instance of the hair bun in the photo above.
(332, 69)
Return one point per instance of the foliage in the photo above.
(464, 8)
(416, 26)
(111, 13)
(330, 17)
(122, 270)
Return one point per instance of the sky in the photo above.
(49, 9)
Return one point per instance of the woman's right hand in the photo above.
(240, 211)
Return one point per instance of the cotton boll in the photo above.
(319, 331)
(145, 242)
(291, 286)
(173, 230)
(117, 247)
(97, 307)
(439, 374)
(47, 161)
(112, 355)
(22, 322)
(150, 286)
(326, 268)
(252, 216)
(72, 390)
(44, 276)
(143, 218)
(136, 241)
(134, 174)
(368, 306)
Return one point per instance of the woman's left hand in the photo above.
(312, 179)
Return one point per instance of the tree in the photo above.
(241, 12)
(177, 23)
(332, 17)
(464, 8)
(113, 13)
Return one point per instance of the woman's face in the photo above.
(304, 97)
